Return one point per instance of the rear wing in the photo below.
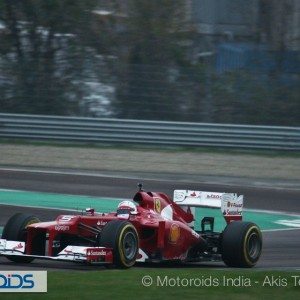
(231, 205)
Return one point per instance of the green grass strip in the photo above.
(171, 283)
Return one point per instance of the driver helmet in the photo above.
(127, 207)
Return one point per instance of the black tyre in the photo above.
(122, 237)
(241, 244)
(15, 230)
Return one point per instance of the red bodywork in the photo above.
(159, 237)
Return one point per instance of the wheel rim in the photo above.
(253, 246)
(129, 245)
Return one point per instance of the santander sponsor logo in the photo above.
(233, 213)
(96, 252)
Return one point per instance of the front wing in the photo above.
(81, 254)
(89, 255)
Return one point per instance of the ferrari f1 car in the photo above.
(151, 228)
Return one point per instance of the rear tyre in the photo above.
(122, 237)
(15, 230)
(241, 244)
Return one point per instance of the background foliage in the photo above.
(62, 58)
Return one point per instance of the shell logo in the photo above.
(174, 233)
(157, 205)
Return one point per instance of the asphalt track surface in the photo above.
(280, 249)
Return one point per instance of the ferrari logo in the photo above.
(157, 205)
(174, 233)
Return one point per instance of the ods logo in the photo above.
(23, 281)
(16, 281)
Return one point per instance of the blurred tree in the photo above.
(53, 51)
(275, 27)
(152, 50)
(42, 54)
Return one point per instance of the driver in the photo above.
(126, 208)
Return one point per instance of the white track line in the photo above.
(279, 229)
(91, 174)
(9, 190)
(75, 173)
(273, 212)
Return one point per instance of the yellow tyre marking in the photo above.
(33, 221)
(249, 263)
(122, 257)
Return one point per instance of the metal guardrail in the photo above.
(156, 133)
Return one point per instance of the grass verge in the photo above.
(180, 283)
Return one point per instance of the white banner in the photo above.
(23, 281)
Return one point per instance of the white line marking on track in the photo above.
(273, 212)
(289, 223)
(122, 176)
(279, 229)
(9, 190)
(75, 173)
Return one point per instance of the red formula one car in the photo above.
(151, 228)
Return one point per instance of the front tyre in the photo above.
(241, 244)
(122, 237)
(15, 230)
